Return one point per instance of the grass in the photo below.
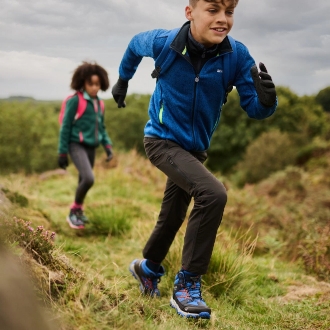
(93, 289)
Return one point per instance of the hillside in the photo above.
(269, 270)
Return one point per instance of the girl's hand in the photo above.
(63, 161)
(109, 153)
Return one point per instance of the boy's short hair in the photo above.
(85, 72)
(194, 2)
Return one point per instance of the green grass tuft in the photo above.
(108, 221)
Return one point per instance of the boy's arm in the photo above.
(65, 131)
(256, 90)
(141, 45)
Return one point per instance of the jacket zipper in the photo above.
(194, 101)
(193, 110)
(195, 88)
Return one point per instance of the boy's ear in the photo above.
(188, 12)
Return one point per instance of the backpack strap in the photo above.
(63, 106)
(229, 68)
(166, 56)
(102, 106)
(82, 104)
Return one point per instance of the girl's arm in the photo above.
(65, 131)
(244, 83)
(106, 140)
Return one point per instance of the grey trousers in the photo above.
(187, 178)
(83, 158)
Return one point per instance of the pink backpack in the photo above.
(82, 104)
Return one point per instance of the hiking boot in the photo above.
(74, 221)
(187, 297)
(81, 215)
(148, 279)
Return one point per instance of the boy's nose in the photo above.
(221, 17)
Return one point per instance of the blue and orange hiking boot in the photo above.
(148, 279)
(187, 297)
(74, 220)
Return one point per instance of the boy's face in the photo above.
(93, 85)
(210, 21)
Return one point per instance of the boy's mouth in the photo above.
(219, 29)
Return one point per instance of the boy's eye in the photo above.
(212, 11)
(230, 12)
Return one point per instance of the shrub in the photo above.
(126, 126)
(301, 117)
(271, 152)
(323, 98)
(38, 242)
(28, 137)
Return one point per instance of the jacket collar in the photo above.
(182, 38)
(87, 97)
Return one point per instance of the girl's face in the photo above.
(92, 86)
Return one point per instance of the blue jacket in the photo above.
(186, 107)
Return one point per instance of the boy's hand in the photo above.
(264, 85)
(63, 161)
(119, 91)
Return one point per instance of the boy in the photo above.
(184, 111)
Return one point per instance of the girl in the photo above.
(82, 131)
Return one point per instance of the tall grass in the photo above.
(231, 271)
(108, 220)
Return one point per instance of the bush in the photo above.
(301, 117)
(271, 152)
(126, 126)
(28, 137)
(37, 242)
(323, 98)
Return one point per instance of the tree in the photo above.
(323, 98)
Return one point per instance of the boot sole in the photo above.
(74, 226)
(201, 315)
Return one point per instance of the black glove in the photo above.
(119, 91)
(264, 85)
(109, 153)
(63, 161)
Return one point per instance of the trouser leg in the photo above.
(172, 214)
(187, 177)
(83, 158)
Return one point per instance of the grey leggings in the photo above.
(83, 157)
(187, 178)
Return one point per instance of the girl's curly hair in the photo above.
(85, 71)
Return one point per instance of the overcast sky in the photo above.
(43, 41)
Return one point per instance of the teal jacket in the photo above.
(89, 129)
